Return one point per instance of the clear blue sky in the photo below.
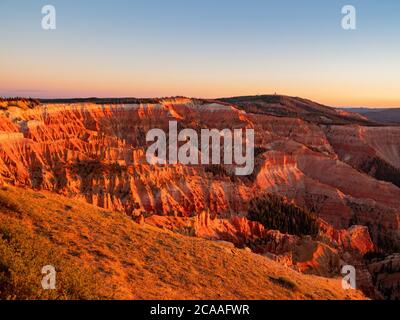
(203, 48)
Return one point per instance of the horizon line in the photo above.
(198, 98)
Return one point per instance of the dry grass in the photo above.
(103, 254)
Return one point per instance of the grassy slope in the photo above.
(102, 254)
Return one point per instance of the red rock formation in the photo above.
(96, 153)
(355, 144)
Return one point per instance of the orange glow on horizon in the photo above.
(47, 83)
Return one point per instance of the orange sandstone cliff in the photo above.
(310, 154)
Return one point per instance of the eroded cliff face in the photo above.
(97, 153)
(356, 144)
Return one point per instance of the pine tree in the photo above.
(277, 214)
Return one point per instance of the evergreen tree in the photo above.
(277, 214)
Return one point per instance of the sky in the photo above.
(203, 48)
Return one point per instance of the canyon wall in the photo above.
(97, 153)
